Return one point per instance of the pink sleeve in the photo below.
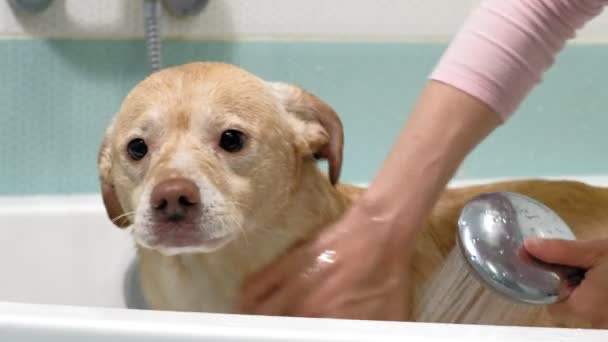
(505, 47)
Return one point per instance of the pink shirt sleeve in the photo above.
(505, 46)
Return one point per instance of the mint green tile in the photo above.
(57, 97)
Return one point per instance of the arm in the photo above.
(490, 67)
(505, 47)
(444, 127)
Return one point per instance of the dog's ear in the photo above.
(108, 193)
(322, 129)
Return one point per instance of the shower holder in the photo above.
(178, 8)
(185, 8)
(30, 6)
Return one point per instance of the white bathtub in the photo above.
(68, 277)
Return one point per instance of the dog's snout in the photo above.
(174, 198)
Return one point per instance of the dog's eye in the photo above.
(232, 140)
(137, 149)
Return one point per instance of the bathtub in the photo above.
(69, 276)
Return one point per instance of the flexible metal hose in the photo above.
(152, 33)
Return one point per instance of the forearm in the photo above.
(445, 125)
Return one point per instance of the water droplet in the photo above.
(501, 252)
(327, 257)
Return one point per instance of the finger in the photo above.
(269, 270)
(263, 283)
(582, 304)
(560, 311)
(283, 300)
(299, 293)
(566, 252)
(260, 285)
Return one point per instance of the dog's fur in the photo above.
(260, 200)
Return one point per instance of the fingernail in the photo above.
(532, 242)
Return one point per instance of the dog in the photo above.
(215, 170)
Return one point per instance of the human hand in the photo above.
(346, 271)
(589, 300)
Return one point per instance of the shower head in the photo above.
(491, 230)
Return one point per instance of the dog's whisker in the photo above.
(222, 221)
(117, 218)
(241, 205)
(242, 230)
(273, 232)
(236, 223)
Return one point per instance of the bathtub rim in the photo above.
(17, 319)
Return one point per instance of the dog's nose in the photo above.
(174, 198)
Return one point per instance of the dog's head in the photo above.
(200, 152)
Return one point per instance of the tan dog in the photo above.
(215, 170)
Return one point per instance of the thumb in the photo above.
(582, 254)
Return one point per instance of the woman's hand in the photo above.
(346, 271)
(589, 300)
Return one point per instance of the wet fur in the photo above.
(210, 281)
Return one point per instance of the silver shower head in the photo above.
(491, 230)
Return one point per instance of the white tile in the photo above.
(409, 20)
